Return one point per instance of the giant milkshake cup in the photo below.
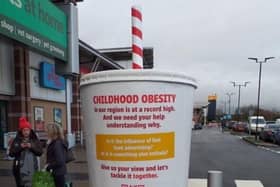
(137, 127)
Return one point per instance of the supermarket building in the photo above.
(40, 57)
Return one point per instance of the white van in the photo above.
(253, 123)
(277, 121)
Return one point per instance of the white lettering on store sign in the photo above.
(7, 26)
(17, 3)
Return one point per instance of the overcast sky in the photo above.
(208, 40)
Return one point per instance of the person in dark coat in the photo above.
(25, 148)
(56, 153)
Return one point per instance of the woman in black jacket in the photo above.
(56, 151)
(25, 148)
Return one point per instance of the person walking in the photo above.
(56, 154)
(25, 148)
(223, 125)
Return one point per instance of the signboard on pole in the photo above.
(36, 23)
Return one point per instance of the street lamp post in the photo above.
(259, 90)
(229, 98)
(239, 88)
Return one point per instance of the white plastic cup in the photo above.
(137, 127)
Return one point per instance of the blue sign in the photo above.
(227, 116)
(48, 78)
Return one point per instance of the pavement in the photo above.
(77, 170)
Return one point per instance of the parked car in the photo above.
(270, 122)
(247, 128)
(43, 137)
(230, 124)
(239, 126)
(253, 123)
(267, 132)
(276, 136)
(197, 126)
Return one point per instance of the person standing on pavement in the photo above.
(25, 148)
(223, 125)
(56, 154)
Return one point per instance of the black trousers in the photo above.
(59, 180)
(17, 177)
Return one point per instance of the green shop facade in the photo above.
(40, 60)
(33, 43)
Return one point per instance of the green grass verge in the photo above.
(237, 133)
(251, 139)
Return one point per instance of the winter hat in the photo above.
(23, 123)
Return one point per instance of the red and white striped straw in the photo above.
(137, 36)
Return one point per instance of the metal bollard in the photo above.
(215, 179)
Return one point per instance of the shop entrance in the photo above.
(3, 122)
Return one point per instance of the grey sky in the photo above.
(208, 40)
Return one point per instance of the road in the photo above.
(214, 150)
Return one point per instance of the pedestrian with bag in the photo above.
(25, 148)
(56, 154)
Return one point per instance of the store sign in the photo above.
(48, 78)
(36, 23)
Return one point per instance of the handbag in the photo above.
(69, 156)
(42, 179)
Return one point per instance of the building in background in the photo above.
(39, 67)
(92, 60)
(123, 56)
(199, 112)
(211, 114)
(30, 48)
